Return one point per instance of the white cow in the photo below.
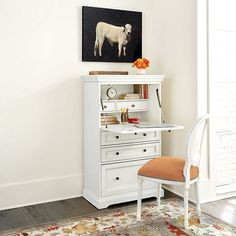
(114, 34)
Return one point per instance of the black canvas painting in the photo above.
(111, 35)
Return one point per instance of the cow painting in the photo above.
(113, 34)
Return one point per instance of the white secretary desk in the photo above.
(113, 155)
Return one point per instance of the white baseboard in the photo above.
(40, 191)
(225, 195)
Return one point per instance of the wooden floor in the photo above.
(49, 212)
(53, 211)
(224, 210)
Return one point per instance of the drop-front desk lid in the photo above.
(137, 128)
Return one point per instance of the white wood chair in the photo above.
(176, 171)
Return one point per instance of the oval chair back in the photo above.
(194, 146)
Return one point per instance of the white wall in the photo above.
(41, 131)
(178, 27)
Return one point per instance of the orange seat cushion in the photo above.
(168, 168)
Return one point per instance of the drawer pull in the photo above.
(135, 134)
(117, 178)
(117, 137)
(105, 107)
(133, 105)
(144, 150)
(117, 153)
(144, 134)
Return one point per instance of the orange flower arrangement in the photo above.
(141, 63)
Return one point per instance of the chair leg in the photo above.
(158, 194)
(186, 207)
(140, 186)
(198, 200)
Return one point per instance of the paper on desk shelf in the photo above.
(153, 125)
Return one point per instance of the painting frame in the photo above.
(117, 32)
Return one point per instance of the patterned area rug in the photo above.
(167, 220)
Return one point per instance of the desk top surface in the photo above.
(124, 79)
(131, 128)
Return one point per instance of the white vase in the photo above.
(141, 71)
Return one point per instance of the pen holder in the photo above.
(124, 117)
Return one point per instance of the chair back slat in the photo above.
(194, 145)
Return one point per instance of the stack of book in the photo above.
(109, 120)
(130, 96)
(142, 90)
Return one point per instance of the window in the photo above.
(222, 87)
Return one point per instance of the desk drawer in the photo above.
(133, 105)
(108, 138)
(122, 178)
(108, 106)
(130, 152)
